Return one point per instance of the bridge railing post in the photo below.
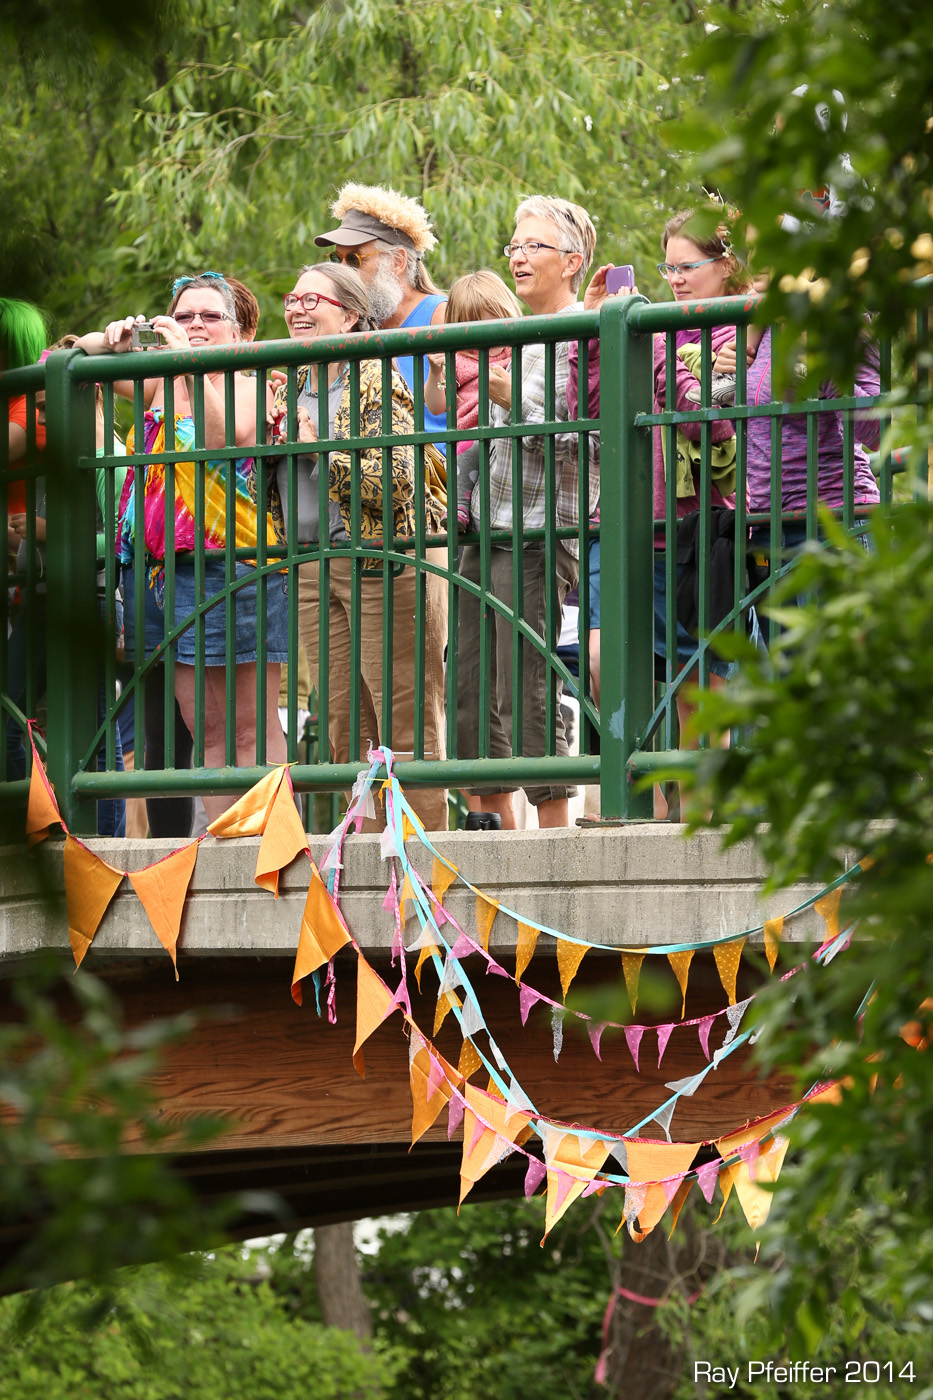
(74, 634)
(626, 513)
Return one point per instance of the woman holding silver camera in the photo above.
(202, 314)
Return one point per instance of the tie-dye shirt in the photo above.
(215, 498)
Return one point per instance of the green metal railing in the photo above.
(634, 729)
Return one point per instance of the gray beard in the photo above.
(385, 294)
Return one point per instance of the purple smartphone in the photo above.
(618, 277)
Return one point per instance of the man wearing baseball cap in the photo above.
(385, 236)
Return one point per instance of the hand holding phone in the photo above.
(618, 277)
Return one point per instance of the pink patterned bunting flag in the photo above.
(478, 1129)
(595, 1029)
(749, 1154)
(454, 1114)
(463, 947)
(436, 1077)
(633, 1035)
(527, 996)
(703, 1030)
(664, 1035)
(496, 969)
(534, 1176)
(707, 1176)
(671, 1185)
(564, 1183)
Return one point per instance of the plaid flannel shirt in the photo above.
(533, 454)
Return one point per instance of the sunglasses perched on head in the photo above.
(183, 281)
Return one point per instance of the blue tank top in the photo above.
(421, 316)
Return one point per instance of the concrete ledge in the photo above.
(634, 885)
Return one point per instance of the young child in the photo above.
(479, 296)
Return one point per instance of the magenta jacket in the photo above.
(794, 442)
(685, 381)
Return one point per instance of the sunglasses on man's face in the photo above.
(355, 260)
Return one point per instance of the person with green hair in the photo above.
(23, 333)
(23, 336)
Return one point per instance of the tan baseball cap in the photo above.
(357, 228)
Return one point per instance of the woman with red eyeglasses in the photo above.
(202, 315)
(333, 300)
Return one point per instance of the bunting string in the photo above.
(655, 1174)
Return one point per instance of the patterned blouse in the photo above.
(367, 479)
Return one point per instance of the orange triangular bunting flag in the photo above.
(571, 1168)
(650, 1163)
(485, 1135)
(248, 815)
(444, 1002)
(283, 838)
(469, 1061)
(90, 884)
(408, 827)
(42, 811)
(442, 877)
(680, 962)
(753, 1198)
(524, 949)
(832, 1094)
(772, 928)
(486, 911)
(728, 956)
(677, 1204)
(161, 889)
(322, 932)
(631, 967)
(373, 1004)
(727, 1177)
(569, 958)
(828, 908)
(407, 893)
(430, 1090)
(751, 1132)
(428, 950)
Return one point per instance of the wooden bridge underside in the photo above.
(333, 1146)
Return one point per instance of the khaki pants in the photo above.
(429, 803)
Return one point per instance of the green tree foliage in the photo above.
(762, 146)
(224, 143)
(837, 719)
(74, 1091)
(837, 768)
(480, 1308)
(218, 1330)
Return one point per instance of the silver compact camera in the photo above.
(145, 336)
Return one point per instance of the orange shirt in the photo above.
(16, 490)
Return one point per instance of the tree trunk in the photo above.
(337, 1276)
